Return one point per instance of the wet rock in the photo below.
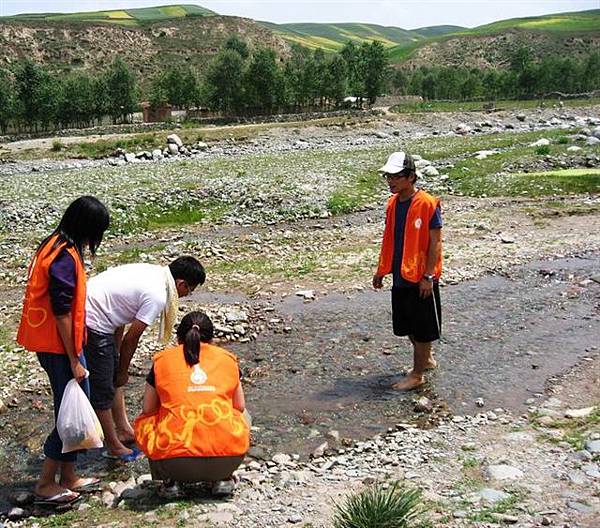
(16, 514)
(424, 405)
(503, 472)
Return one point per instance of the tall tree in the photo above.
(374, 69)
(235, 43)
(7, 106)
(261, 80)
(28, 81)
(121, 86)
(223, 81)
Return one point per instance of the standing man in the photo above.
(134, 295)
(412, 252)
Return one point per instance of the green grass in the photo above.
(575, 430)
(355, 194)
(505, 506)
(378, 506)
(129, 17)
(478, 106)
(106, 147)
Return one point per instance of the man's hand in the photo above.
(425, 288)
(79, 372)
(377, 281)
(122, 378)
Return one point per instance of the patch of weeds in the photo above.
(57, 145)
(380, 506)
(501, 507)
(574, 430)
(352, 196)
(470, 463)
(105, 147)
(562, 140)
(542, 150)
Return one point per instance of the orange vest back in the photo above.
(37, 330)
(416, 238)
(196, 416)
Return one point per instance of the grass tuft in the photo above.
(379, 506)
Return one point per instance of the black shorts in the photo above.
(416, 317)
(103, 361)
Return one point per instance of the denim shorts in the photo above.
(103, 361)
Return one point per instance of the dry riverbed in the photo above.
(289, 232)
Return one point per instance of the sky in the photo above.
(408, 14)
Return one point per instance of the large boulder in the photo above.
(174, 139)
(173, 149)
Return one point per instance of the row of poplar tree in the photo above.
(236, 82)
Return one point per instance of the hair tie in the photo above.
(196, 327)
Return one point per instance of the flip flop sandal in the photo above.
(91, 487)
(58, 500)
(136, 454)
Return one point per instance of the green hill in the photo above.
(125, 17)
(563, 33)
(437, 31)
(332, 37)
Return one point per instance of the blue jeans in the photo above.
(58, 368)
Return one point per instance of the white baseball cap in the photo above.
(397, 162)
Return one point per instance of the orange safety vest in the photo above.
(38, 331)
(196, 417)
(416, 238)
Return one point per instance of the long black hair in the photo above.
(195, 328)
(83, 223)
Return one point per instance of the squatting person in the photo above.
(134, 295)
(193, 427)
(412, 252)
(53, 326)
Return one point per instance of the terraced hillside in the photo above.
(124, 17)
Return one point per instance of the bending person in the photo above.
(192, 427)
(134, 295)
(53, 326)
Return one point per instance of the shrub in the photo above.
(378, 506)
(542, 150)
(57, 145)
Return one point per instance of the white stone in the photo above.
(503, 472)
(543, 142)
(173, 149)
(592, 140)
(579, 413)
(175, 140)
(491, 496)
(593, 446)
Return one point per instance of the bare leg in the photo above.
(431, 362)
(69, 479)
(119, 414)
(415, 378)
(46, 486)
(113, 444)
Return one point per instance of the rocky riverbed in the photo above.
(504, 432)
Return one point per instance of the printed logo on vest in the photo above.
(418, 223)
(198, 376)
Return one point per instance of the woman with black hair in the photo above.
(193, 426)
(53, 326)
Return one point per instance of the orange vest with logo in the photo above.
(416, 238)
(196, 417)
(37, 330)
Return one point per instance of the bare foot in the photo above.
(431, 364)
(50, 490)
(126, 436)
(409, 382)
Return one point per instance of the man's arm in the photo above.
(151, 400)
(433, 254)
(128, 347)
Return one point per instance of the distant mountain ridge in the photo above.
(154, 37)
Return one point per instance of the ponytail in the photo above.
(195, 328)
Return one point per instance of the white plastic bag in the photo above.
(77, 423)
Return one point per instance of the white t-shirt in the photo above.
(119, 295)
